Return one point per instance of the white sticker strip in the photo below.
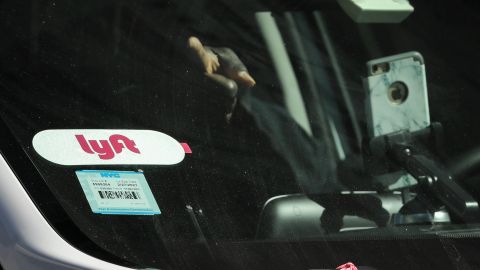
(107, 146)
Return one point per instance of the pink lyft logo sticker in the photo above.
(104, 146)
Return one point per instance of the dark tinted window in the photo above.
(263, 165)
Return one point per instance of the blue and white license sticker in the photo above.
(117, 192)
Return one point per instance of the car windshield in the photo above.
(170, 134)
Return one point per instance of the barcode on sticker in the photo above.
(129, 195)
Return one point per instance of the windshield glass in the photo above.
(164, 129)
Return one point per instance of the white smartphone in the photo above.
(397, 99)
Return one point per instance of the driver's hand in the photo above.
(224, 68)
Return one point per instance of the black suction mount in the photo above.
(417, 153)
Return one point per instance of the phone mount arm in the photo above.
(404, 150)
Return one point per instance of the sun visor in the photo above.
(377, 11)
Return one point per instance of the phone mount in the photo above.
(416, 152)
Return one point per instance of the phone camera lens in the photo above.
(397, 93)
